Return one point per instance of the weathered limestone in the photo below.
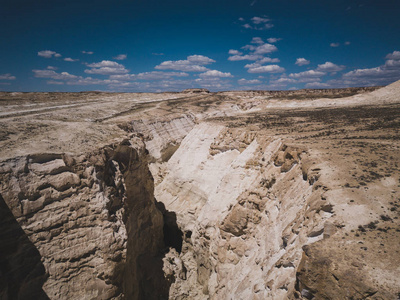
(233, 195)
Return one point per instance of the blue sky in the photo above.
(154, 45)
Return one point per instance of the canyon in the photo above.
(200, 195)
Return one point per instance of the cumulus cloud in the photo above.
(154, 75)
(193, 63)
(120, 57)
(257, 40)
(335, 45)
(70, 79)
(273, 40)
(52, 68)
(87, 52)
(246, 81)
(53, 75)
(265, 49)
(308, 76)
(70, 59)
(244, 57)
(394, 56)
(268, 60)
(213, 83)
(317, 85)
(301, 61)
(48, 54)
(382, 75)
(7, 76)
(106, 67)
(249, 47)
(266, 69)
(258, 23)
(329, 67)
(284, 80)
(215, 73)
(234, 52)
(258, 20)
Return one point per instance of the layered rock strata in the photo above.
(92, 220)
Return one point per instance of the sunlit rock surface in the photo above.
(198, 195)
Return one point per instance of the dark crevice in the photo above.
(22, 273)
(173, 236)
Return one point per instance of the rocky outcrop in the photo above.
(234, 195)
(245, 210)
(90, 219)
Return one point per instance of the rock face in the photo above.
(245, 211)
(232, 195)
(93, 220)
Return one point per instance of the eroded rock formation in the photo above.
(232, 195)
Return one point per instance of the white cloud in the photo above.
(258, 23)
(347, 43)
(52, 68)
(87, 52)
(246, 81)
(266, 69)
(106, 67)
(392, 64)
(123, 77)
(157, 75)
(193, 63)
(262, 61)
(284, 80)
(215, 73)
(308, 76)
(200, 59)
(213, 83)
(268, 60)
(70, 59)
(154, 75)
(158, 53)
(329, 67)
(253, 65)
(266, 26)
(48, 54)
(120, 57)
(257, 40)
(54, 75)
(381, 75)
(301, 61)
(265, 49)
(7, 76)
(234, 52)
(273, 40)
(335, 45)
(394, 56)
(317, 85)
(374, 76)
(244, 57)
(249, 47)
(258, 20)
